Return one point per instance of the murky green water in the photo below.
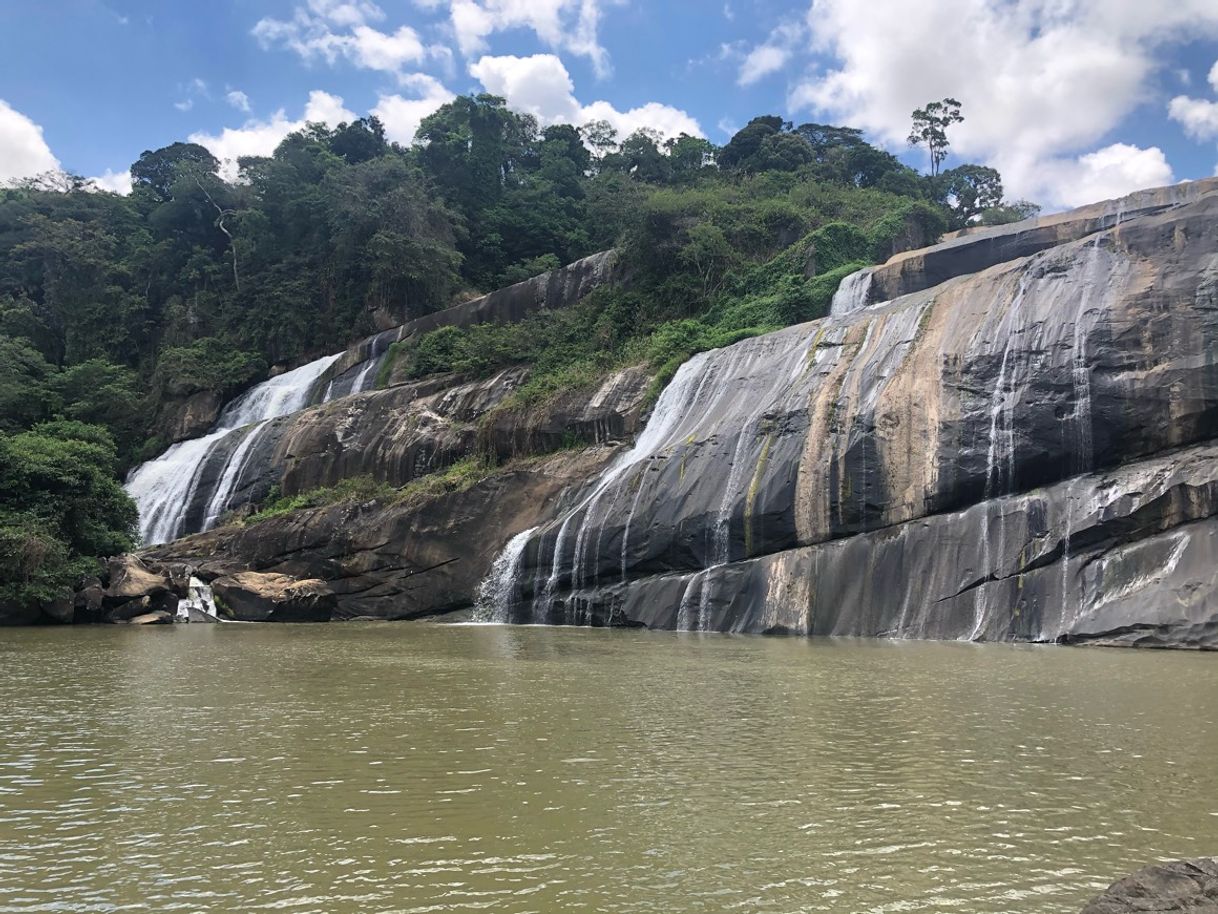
(352, 768)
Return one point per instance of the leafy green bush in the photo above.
(60, 504)
(355, 489)
(458, 477)
(206, 364)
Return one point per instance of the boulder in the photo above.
(152, 618)
(37, 612)
(123, 612)
(1179, 887)
(88, 600)
(190, 416)
(251, 596)
(131, 579)
(59, 611)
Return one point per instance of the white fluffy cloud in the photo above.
(1041, 81)
(1198, 116)
(401, 116)
(238, 100)
(115, 182)
(330, 30)
(772, 55)
(23, 151)
(260, 137)
(564, 25)
(540, 85)
(1101, 175)
(761, 62)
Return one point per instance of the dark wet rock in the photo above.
(395, 561)
(974, 250)
(1022, 447)
(190, 415)
(87, 601)
(1179, 887)
(123, 612)
(1129, 554)
(250, 596)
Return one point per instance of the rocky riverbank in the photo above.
(1179, 887)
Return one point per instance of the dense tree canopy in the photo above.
(115, 310)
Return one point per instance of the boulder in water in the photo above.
(158, 617)
(131, 579)
(252, 596)
(1184, 886)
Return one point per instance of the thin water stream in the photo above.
(359, 769)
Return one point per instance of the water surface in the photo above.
(415, 768)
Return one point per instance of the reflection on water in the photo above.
(413, 768)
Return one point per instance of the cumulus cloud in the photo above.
(541, 86)
(1101, 175)
(23, 151)
(331, 31)
(260, 137)
(402, 116)
(1041, 80)
(565, 25)
(1198, 116)
(761, 62)
(238, 100)
(115, 182)
(772, 55)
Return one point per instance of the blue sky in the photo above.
(1072, 100)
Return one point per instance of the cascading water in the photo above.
(362, 376)
(497, 591)
(854, 294)
(665, 423)
(164, 489)
(199, 605)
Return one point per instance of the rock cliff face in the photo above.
(391, 561)
(225, 458)
(984, 458)
(1012, 435)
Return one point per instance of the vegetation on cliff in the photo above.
(116, 311)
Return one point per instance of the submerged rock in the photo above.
(159, 617)
(1180, 887)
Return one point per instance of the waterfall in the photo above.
(854, 294)
(362, 375)
(199, 605)
(666, 419)
(590, 543)
(498, 590)
(164, 489)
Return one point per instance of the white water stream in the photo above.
(165, 488)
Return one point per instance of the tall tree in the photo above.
(930, 129)
(158, 169)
